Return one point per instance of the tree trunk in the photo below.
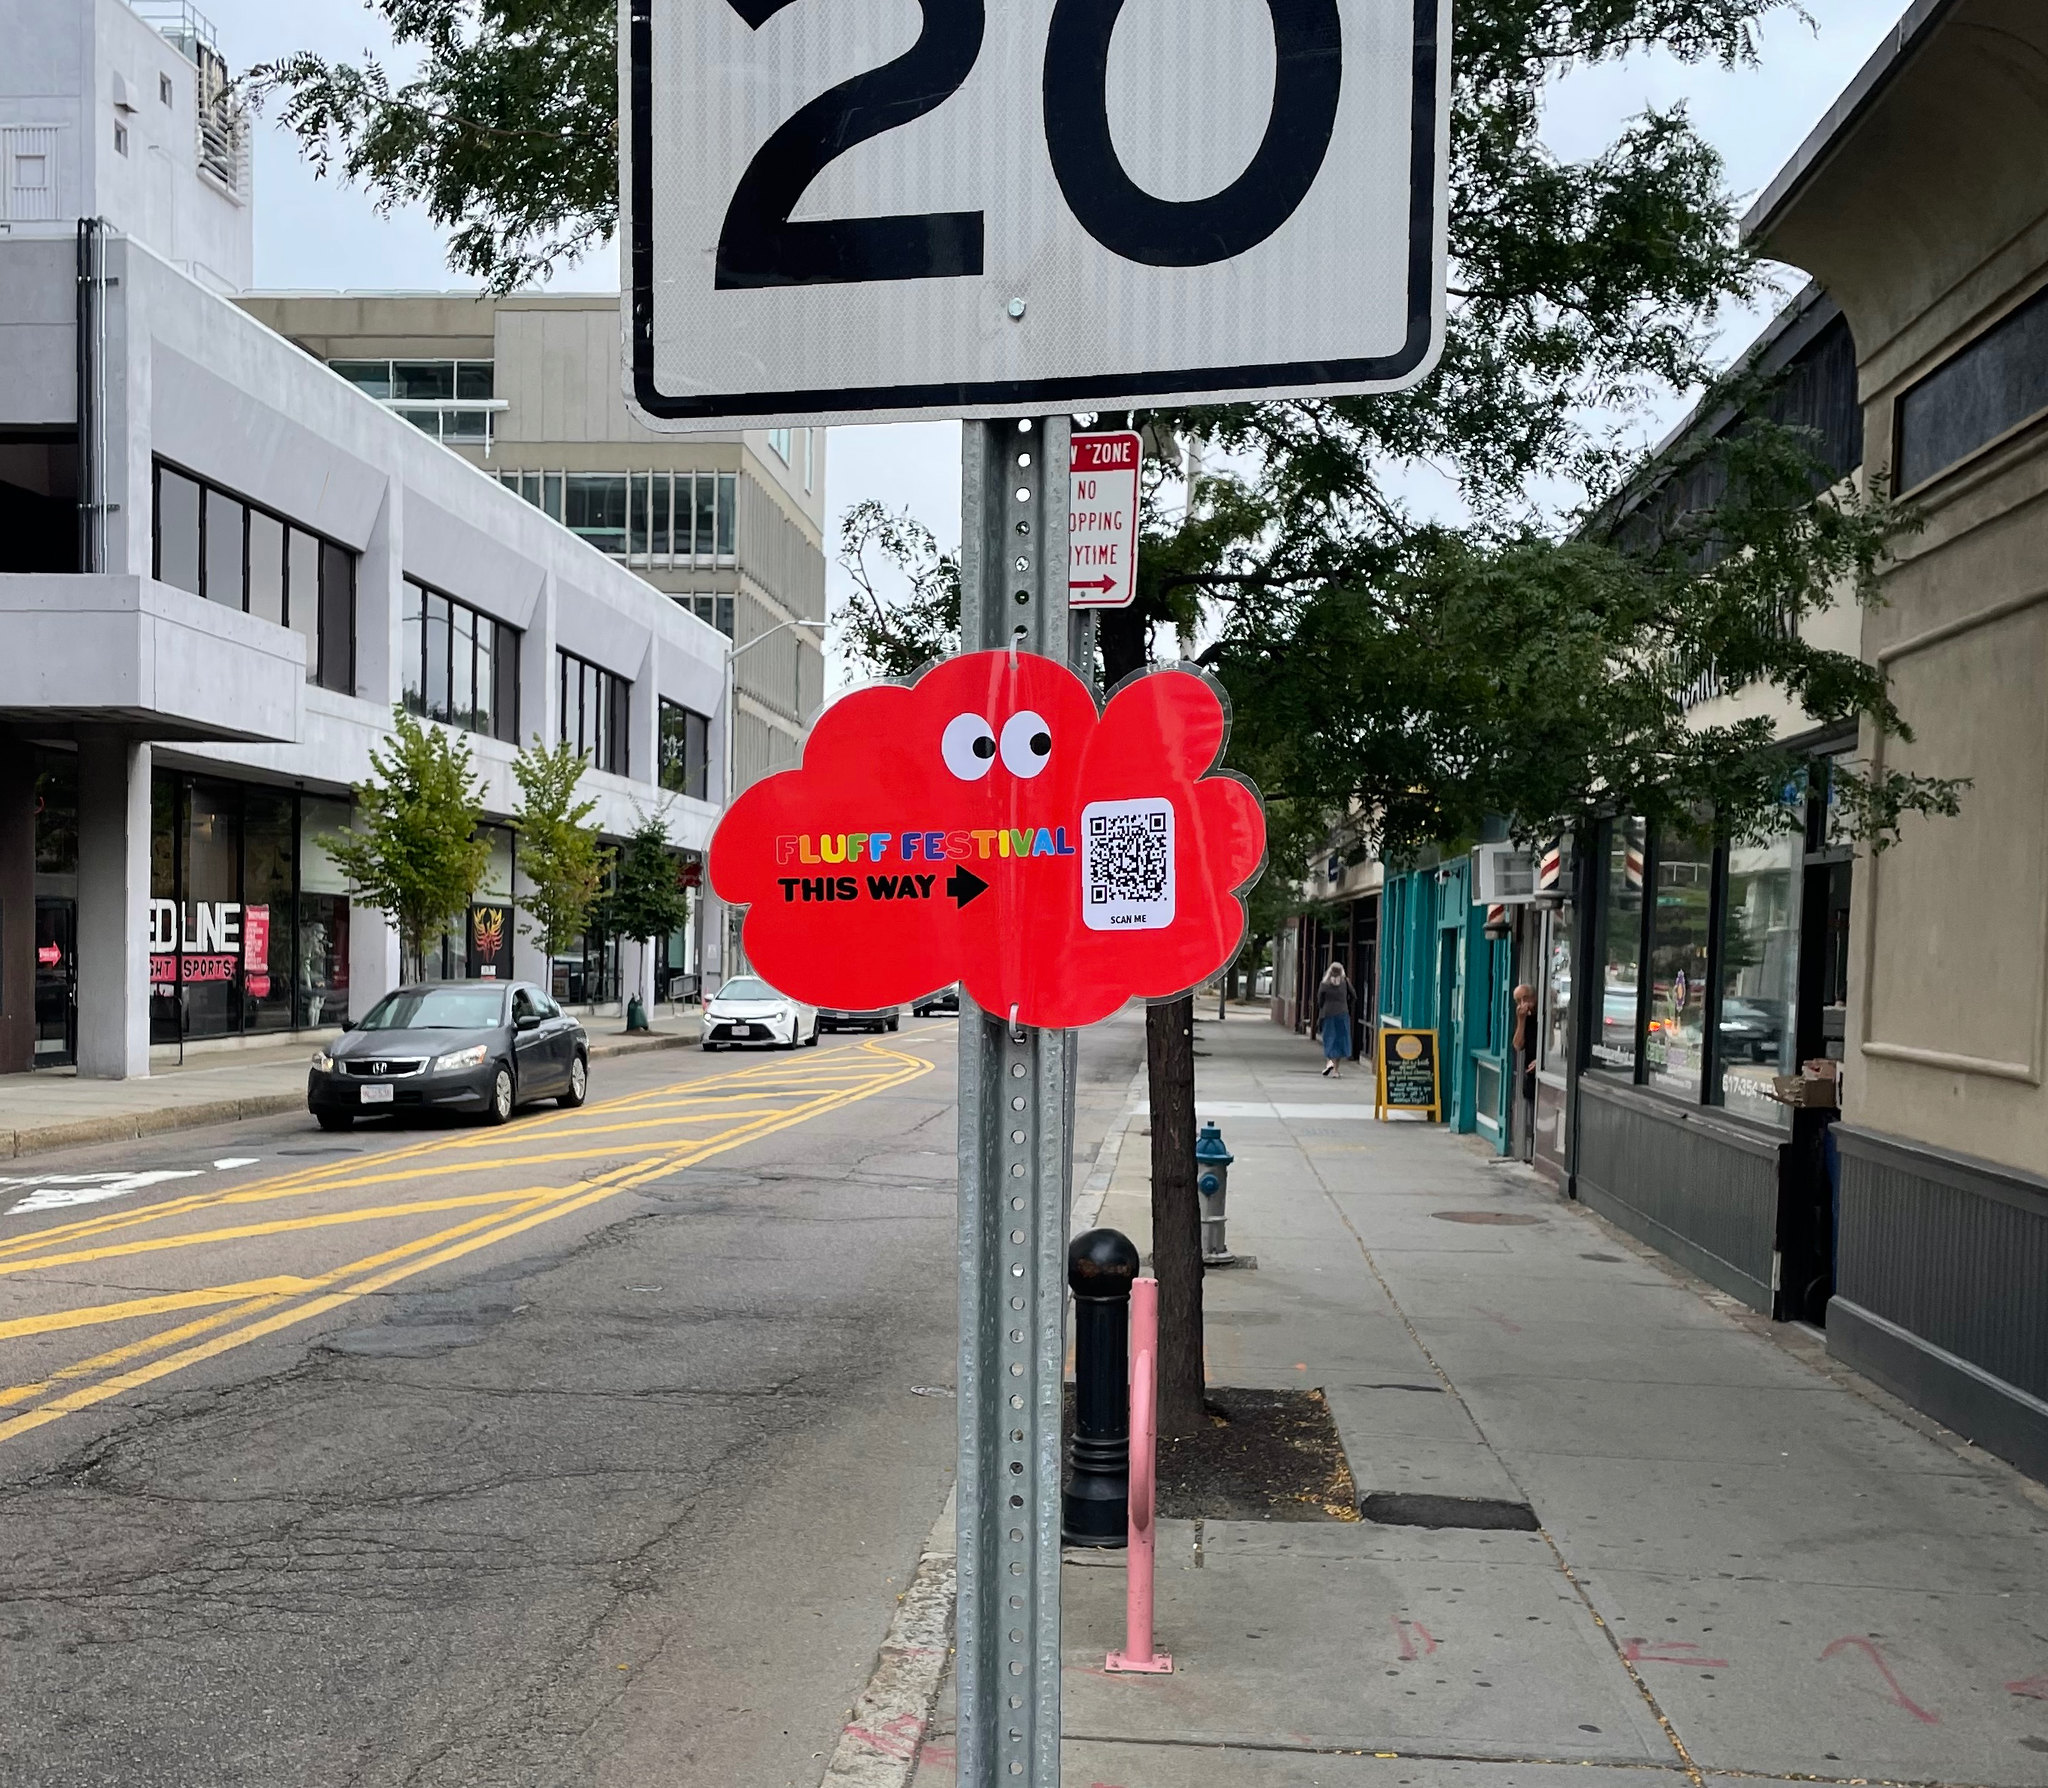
(1176, 1214)
(1126, 639)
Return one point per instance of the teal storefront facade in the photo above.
(1440, 971)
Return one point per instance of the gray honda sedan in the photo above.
(480, 1046)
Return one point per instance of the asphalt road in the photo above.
(591, 1450)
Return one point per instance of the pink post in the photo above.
(1137, 1655)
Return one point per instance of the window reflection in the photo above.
(1621, 917)
(1674, 1052)
(1760, 975)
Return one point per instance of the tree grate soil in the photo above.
(1260, 1456)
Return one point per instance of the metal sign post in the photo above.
(1016, 1149)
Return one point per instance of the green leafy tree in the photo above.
(507, 133)
(414, 853)
(892, 632)
(559, 854)
(646, 899)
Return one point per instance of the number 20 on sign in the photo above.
(859, 209)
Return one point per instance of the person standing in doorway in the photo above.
(1333, 1018)
(1525, 1047)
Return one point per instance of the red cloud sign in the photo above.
(985, 824)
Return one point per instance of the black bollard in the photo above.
(1095, 1511)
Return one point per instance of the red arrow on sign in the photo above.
(1104, 584)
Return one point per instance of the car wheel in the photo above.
(499, 1111)
(811, 1042)
(894, 1023)
(579, 1085)
(334, 1120)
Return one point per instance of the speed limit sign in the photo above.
(845, 210)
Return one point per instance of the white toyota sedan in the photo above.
(747, 1010)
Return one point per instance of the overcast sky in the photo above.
(316, 234)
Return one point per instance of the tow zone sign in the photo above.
(1102, 521)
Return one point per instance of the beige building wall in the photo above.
(558, 407)
(1926, 218)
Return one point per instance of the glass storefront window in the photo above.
(56, 813)
(1620, 946)
(1674, 1052)
(1554, 992)
(212, 910)
(321, 957)
(269, 851)
(1758, 1028)
(489, 943)
(248, 917)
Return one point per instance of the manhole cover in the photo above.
(1613, 1260)
(1506, 1219)
(336, 1150)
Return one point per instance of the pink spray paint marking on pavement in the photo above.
(1513, 1328)
(1408, 1631)
(897, 1737)
(1668, 1651)
(1899, 1696)
(2034, 1688)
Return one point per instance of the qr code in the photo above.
(1127, 865)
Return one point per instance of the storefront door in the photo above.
(56, 983)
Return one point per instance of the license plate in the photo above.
(378, 1095)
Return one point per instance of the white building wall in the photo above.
(195, 381)
(85, 69)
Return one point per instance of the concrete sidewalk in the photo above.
(55, 1109)
(1750, 1564)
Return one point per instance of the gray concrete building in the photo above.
(222, 566)
(528, 389)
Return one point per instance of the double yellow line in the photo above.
(264, 1307)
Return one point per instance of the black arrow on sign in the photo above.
(964, 885)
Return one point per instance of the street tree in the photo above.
(506, 130)
(560, 857)
(646, 899)
(903, 612)
(415, 853)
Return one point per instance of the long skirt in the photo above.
(1337, 1038)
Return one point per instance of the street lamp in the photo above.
(732, 681)
(731, 716)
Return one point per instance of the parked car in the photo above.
(947, 999)
(747, 1010)
(1618, 1016)
(482, 1046)
(1752, 1027)
(839, 1018)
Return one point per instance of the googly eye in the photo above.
(1027, 743)
(969, 746)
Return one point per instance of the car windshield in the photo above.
(437, 1009)
(747, 987)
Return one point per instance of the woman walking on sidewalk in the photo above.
(1333, 1018)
